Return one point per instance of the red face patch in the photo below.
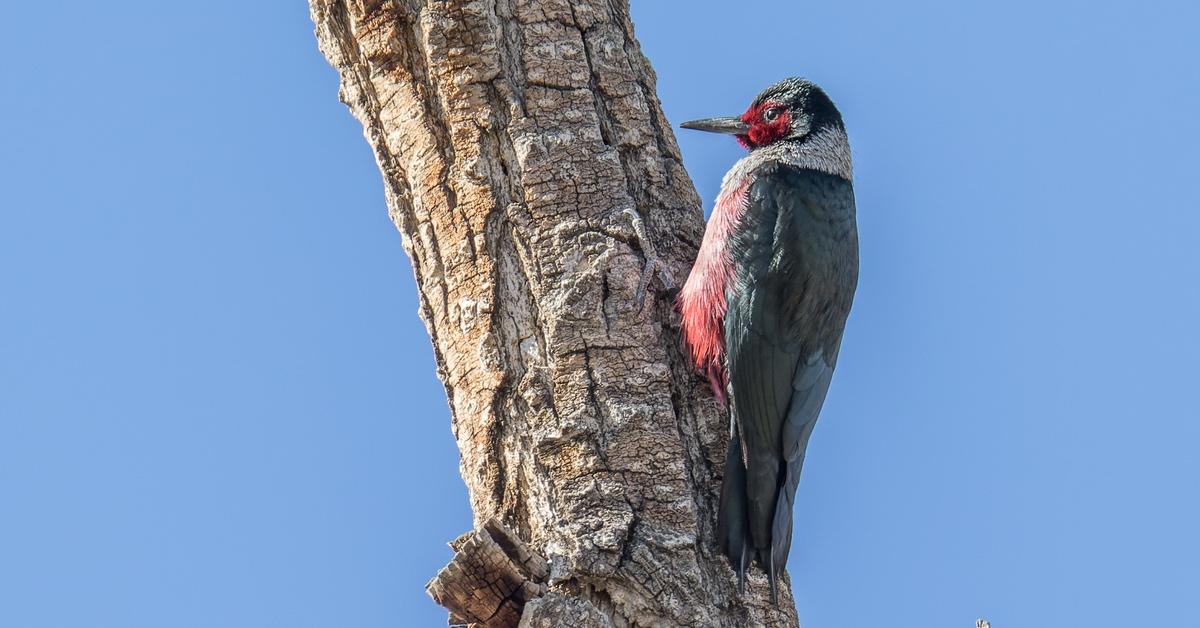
(763, 131)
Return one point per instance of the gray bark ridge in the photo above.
(533, 177)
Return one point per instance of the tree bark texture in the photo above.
(533, 177)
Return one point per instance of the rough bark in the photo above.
(533, 177)
(492, 576)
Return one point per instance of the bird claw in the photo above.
(654, 264)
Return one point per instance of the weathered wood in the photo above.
(533, 177)
(491, 577)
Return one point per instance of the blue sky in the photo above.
(218, 406)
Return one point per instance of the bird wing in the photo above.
(783, 327)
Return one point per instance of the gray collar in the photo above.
(827, 150)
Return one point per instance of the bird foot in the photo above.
(654, 264)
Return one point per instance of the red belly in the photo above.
(702, 300)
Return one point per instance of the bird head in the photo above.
(791, 110)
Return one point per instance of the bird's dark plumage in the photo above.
(789, 264)
(795, 255)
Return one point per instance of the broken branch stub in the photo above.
(491, 577)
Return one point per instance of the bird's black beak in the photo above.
(728, 126)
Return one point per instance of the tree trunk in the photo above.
(531, 172)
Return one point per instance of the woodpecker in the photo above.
(765, 305)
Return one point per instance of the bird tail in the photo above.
(781, 527)
(733, 519)
(732, 516)
(781, 523)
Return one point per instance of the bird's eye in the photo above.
(772, 113)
